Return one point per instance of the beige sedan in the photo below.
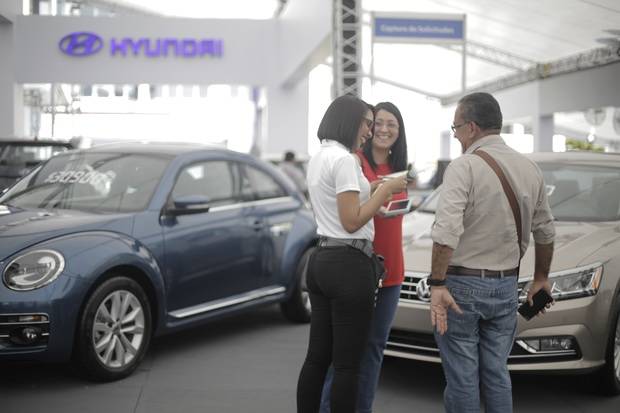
(581, 332)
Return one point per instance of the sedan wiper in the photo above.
(29, 189)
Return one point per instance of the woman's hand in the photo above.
(396, 185)
(374, 185)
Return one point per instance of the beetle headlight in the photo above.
(33, 270)
(573, 283)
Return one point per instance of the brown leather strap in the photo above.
(512, 199)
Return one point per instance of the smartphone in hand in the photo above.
(541, 299)
(395, 208)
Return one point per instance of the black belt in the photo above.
(455, 270)
(363, 245)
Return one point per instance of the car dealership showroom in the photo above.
(155, 245)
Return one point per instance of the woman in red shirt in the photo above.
(383, 154)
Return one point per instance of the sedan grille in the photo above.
(415, 288)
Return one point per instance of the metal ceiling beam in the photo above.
(347, 47)
(582, 61)
(115, 6)
(493, 55)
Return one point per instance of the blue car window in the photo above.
(261, 184)
(213, 179)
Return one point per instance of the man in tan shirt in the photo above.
(476, 258)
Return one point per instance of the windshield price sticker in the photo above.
(81, 177)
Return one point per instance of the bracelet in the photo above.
(434, 282)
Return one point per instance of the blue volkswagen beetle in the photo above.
(104, 248)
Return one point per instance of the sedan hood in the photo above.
(574, 242)
(20, 228)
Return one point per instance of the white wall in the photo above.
(302, 28)
(575, 91)
(287, 118)
(9, 9)
(570, 92)
(11, 99)
(271, 53)
(256, 52)
(11, 113)
(249, 54)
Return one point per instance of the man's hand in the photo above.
(538, 285)
(543, 255)
(441, 301)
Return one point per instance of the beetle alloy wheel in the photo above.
(118, 329)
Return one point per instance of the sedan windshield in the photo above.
(585, 193)
(95, 182)
(582, 192)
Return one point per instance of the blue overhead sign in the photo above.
(417, 29)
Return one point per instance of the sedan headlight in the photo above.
(33, 270)
(573, 283)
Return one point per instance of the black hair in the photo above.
(398, 152)
(342, 119)
(482, 109)
(289, 156)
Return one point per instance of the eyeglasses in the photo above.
(369, 122)
(389, 125)
(455, 127)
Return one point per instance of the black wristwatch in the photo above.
(434, 282)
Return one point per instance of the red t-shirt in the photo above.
(388, 231)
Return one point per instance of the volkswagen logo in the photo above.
(80, 44)
(423, 290)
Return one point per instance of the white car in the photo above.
(581, 332)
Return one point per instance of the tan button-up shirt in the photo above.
(473, 214)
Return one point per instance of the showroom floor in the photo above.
(250, 363)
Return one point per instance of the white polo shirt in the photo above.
(331, 171)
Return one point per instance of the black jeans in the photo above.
(342, 287)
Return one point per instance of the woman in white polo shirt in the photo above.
(341, 279)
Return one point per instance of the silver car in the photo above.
(581, 332)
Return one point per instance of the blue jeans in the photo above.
(474, 351)
(370, 368)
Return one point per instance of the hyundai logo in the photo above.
(423, 290)
(80, 44)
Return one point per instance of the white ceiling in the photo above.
(199, 9)
(539, 30)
